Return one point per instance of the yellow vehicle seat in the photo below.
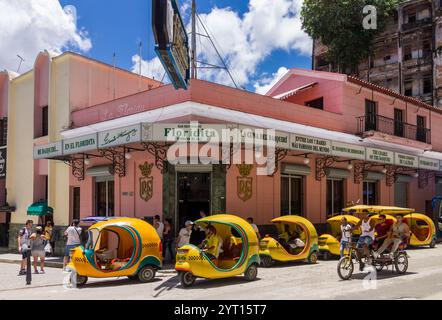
(232, 250)
(421, 232)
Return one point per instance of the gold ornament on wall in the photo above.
(244, 182)
(146, 181)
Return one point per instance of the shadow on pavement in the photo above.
(277, 265)
(217, 283)
(167, 285)
(112, 283)
(383, 275)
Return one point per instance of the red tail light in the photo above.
(161, 247)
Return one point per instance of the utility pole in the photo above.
(140, 66)
(193, 74)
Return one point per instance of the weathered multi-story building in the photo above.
(406, 57)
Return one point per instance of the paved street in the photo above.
(299, 281)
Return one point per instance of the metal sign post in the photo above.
(28, 267)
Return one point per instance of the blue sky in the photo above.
(260, 40)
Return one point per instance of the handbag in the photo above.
(48, 248)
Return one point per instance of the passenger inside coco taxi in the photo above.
(292, 240)
(113, 249)
(223, 245)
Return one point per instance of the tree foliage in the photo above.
(339, 26)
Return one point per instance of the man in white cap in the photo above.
(184, 235)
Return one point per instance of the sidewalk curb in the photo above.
(48, 264)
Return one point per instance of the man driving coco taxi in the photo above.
(211, 245)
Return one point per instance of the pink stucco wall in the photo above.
(343, 103)
(41, 90)
(125, 205)
(92, 83)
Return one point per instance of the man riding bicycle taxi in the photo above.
(399, 233)
(367, 227)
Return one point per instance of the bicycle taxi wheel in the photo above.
(345, 267)
(401, 262)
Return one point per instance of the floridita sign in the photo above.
(207, 133)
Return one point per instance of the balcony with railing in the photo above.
(392, 127)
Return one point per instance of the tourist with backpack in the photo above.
(23, 241)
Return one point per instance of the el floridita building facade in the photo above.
(104, 154)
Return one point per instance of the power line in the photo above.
(217, 51)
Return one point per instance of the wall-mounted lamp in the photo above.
(306, 160)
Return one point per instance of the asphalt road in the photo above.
(288, 281)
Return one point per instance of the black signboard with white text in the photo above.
(3, 163)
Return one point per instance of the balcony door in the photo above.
(370, 115)
(421, 134)
(398, 122)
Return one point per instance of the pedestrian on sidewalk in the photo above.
(49, 236)
(184, 235)
(23, 245)
(73, 234)
(168, 240)
(38, 243)
(159, 226)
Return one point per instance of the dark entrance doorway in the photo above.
(104, 197)
(4, 229)
(194, 193)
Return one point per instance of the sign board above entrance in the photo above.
(429, 164)
(182, 132)
(48, 151)
(405, 160)
(310, 144)
(340, 149)
(119, 137)
(203, 133)
(80, 144)
(379, 155)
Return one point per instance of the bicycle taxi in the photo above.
(238, 254)
(399, 261)
(287, 247)
(421, 226)
(118, 247)
(329, 245)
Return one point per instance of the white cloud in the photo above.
(245, 41)
(28, 27)
(151, 68)
(263, 86)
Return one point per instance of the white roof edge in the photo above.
(226, 115)
(292, 92)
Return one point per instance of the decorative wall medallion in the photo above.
(146, 181)
(244, 182)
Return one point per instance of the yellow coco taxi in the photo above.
(355, 210)
(236, 252)
(297, 240)
(422, 227)
(329, 245)
(117, 248)
(423, 230)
